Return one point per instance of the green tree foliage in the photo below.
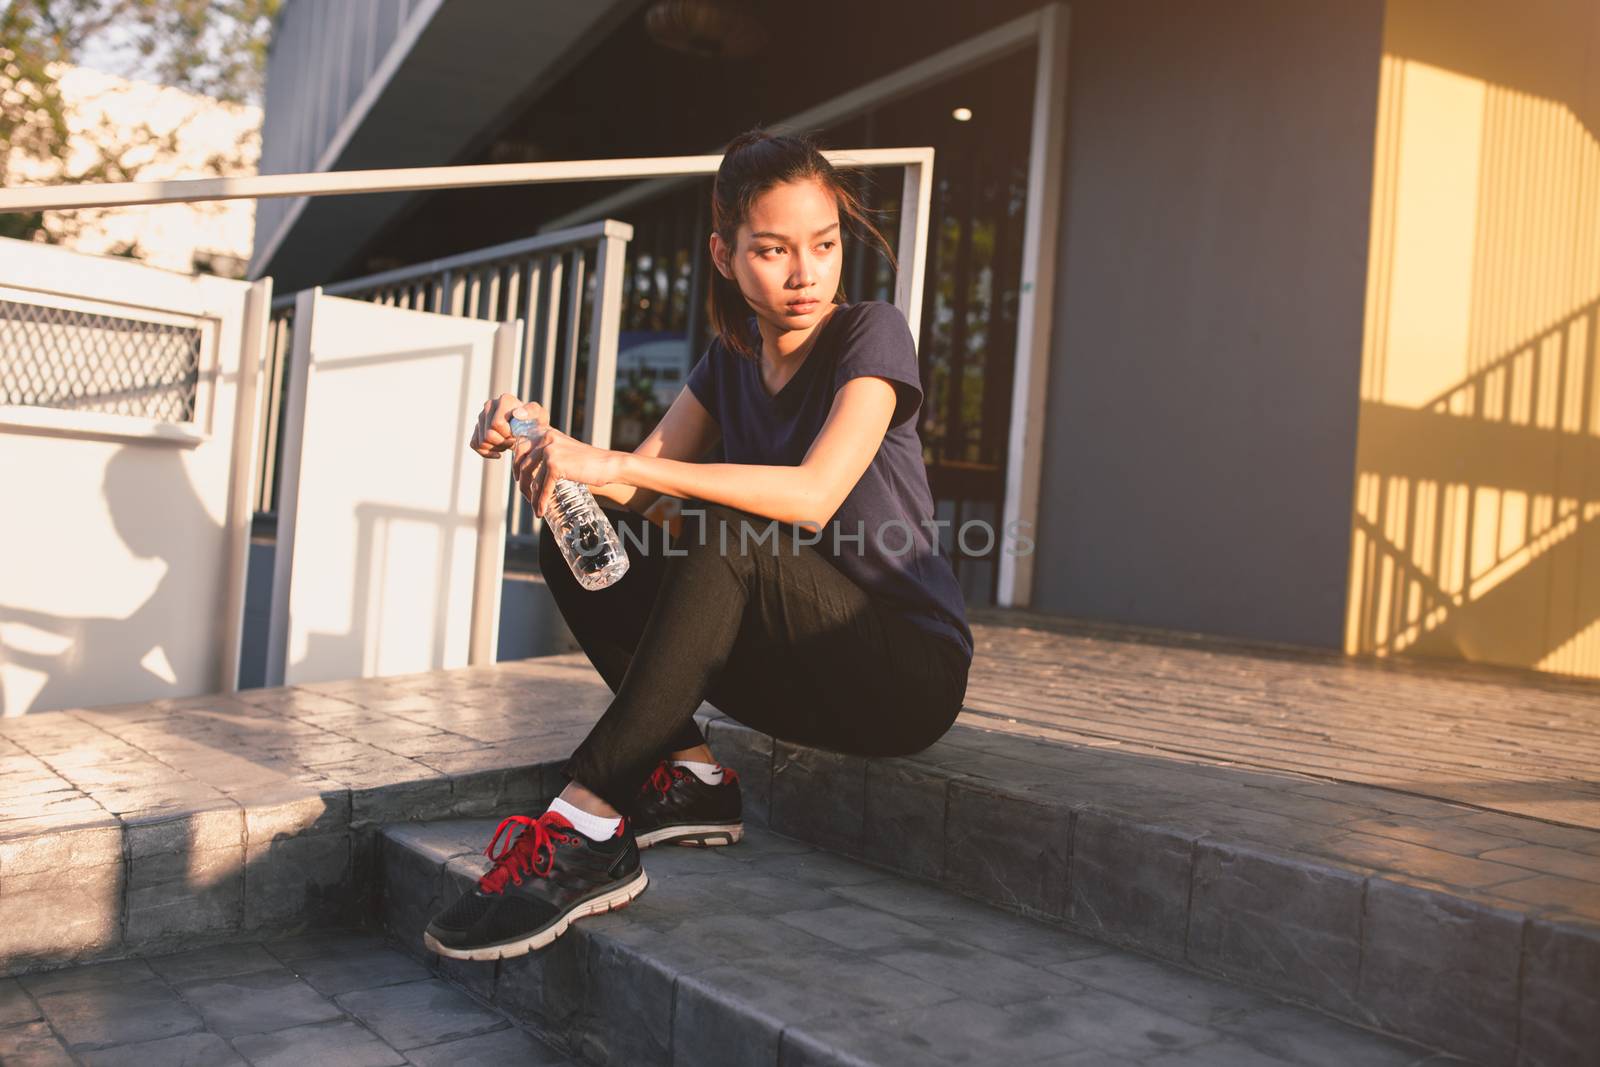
(216, 48)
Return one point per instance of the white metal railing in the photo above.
(544, 281)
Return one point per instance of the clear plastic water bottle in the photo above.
(587, 539)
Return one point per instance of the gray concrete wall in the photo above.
(1204, 383)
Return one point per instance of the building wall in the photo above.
(323, 57)
(1476, 526)
(1199, 458)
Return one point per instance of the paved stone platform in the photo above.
(1252, 835)
(772, 952)
(333, 998)
(1499, 739)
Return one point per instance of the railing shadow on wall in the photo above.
(1481, 506)
(1476, 519)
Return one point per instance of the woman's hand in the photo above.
(492, 435)
(538, 464)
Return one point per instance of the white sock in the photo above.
(594, 827)
(709, 773)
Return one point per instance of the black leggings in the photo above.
(769, 632)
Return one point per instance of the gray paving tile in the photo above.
(298, 880)
(1008, 847)
(289, 809)
(87, 976)
(32, 1045)
(735, 1013)
(215, 824)
(1466, 955)
(733, 936)
(106, 1015)
(322, 943)
(1300, 1036)
(362, 968)
(420, 1013)
(1223, 1052)
(24, 841)
(761, 843)
(82, 903)
(1167, 988)
(1560, 985)
(628, 1004)
(331, 1044)
(1109, 1022)
(502, 1048)
(176, 896)
(1288, 922)
(1131, 881)
(15, 1004)
(957, 1031)
(905, 807)
(965, 921)
(219, 961)
(818, 868)
(860, 928)
(1083, 1057)
(817, 794)
(548, 985)
(980, 975)
(258, 1003)
(185, 1050)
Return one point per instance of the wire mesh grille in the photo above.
(86, 361)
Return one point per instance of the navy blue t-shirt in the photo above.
(896, 558)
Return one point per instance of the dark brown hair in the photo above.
(752, 163)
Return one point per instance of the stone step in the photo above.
(772, 951)
(155, 826)
(1466, 930)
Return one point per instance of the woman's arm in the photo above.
(807, 494)
(686, 432)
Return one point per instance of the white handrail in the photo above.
(347, 182)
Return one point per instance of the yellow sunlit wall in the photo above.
(1476, 531)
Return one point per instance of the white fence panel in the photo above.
(378, 548)
(122, 535)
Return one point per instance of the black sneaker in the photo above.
(674, 806)
(550, 875)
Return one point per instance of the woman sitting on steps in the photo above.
(804, 595)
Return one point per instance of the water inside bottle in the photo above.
(587, 539)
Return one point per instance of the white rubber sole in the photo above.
(522, 946)
(695, 836)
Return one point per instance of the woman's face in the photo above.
(787, 250)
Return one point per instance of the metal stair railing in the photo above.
(566, 286)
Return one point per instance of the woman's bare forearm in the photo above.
(787, 494)
(629, 496)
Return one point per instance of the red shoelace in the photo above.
(536, 843)
(665, 774)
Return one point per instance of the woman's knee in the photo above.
(729, 532)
